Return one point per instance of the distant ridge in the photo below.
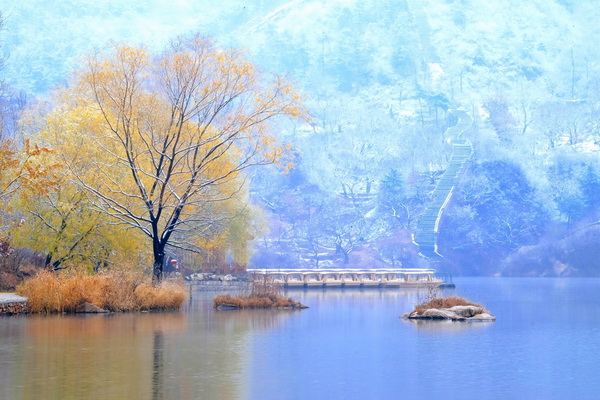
(256, 23)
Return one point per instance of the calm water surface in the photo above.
(348, 345)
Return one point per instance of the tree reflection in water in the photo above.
(197, 353)
(158, 367)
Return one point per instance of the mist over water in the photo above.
(384, 168)
(349, 344)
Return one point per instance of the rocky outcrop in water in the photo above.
(456, 313)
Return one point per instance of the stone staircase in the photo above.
(427, 228)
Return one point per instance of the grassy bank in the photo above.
(112, 291)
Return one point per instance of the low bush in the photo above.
(263, 294)
(49, 292)
(255, 301)
(444, 302)
(168, 296)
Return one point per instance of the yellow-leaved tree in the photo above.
(24, 170)
(62, 223)
(173, 135)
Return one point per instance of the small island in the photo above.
(453, 308)
(228, 302)
(263, 293)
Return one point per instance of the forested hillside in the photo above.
(377, 80)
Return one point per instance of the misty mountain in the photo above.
(379, 80)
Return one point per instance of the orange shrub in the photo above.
(167, 296)
(43, 292)
(112, 291)
(117, 291)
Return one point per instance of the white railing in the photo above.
(348, 277)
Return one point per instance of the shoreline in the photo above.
(12, 304)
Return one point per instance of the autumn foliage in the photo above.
(167, 138)
(143, 157)
(24, 169)
(26, 172)
(113, 291)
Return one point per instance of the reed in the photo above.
(254, 301)
(167, 296)
(263, 293)
(43, 292)
(444, 302)
(48, 292)
(264, 287)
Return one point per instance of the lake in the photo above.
(350, 344)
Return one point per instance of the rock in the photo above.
(228, 307)
(12, 298)
(13, 308)
(466, 311)
(196, 276)
(411, 315)
(89, 308)
(435, 313)
(483, 317)
(452, 314)
(457, 313)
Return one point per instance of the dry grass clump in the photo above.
(43, 292)
(444, 302)
(112, 291)
(264, 293)
(167, 296)
(255, 301)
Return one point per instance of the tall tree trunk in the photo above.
(48, 260)
(159, 262)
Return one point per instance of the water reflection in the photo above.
(403, 299)
(75, 356)
(447, 326)
(59, 327)
(348, 344)
(157, 367)
(253, 320)
(198, 353)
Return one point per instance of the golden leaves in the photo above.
(25, 170)
(167, 139)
